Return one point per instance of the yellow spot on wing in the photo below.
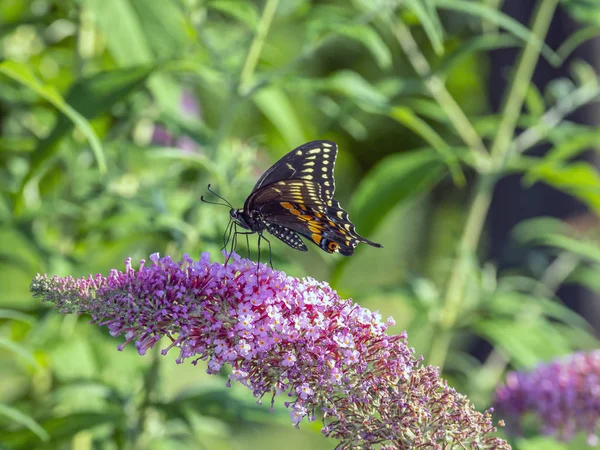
(314, 151)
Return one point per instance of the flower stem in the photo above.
(257, 45)
(518, 89)
(483, 191)
(150, 384)
(438, 90)
(242, 87)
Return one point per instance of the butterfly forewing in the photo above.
(313, 161)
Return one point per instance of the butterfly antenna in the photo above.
(216, 203)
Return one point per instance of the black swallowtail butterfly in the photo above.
(295, 198)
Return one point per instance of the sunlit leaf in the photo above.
(60, 428)
(395, 179)
(87, 99)
(406, 117)
(245, 12)
(476, 44)
(491, 14)
(22, 74)
(28, 422)
(278, 108)
(17, 316)
(515, 337)
(431, 23)
(579, 179)
(354, 86)
(136, 35)
(18, 350)
(371, 40)
(585, 249)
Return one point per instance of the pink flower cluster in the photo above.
(283, 335)
(564, 395)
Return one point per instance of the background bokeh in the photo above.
(466, 149)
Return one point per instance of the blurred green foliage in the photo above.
(116, 114)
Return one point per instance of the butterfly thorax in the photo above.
(250, 221)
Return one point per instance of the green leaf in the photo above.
(278, 108)
(19, 350)
(22, 74)
(395, 179)
(531, 229)
(585, 249)
(371, 40)
(480, 43)
(572, 146)
(87, 99)
(164, 27)
(11, 314)
(508, 23)
(535, 101)
(245, 12)
(23, 419)
(136, 35)
(579, 179)
(353, 86)
(518, 305)
(587, 276)
(576, 39)
(431, 23)
(525, 348)
(406, 117)
(61, 428)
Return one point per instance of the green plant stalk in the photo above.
(241, 88)
(257, 45)
(483, 191)
(518, 89)
(438, 90)
(150, 384)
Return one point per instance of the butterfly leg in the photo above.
(227, 234)
(270, 252)
(234, 240)
(248, 245)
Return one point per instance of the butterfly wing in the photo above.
(299, 206)
(313, 162)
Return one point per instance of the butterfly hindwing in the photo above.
(313, 162)
(331, 234)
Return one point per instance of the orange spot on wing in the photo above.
(316, 238)
(332, 246)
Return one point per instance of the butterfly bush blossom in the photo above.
(563, 394)
(283, 335)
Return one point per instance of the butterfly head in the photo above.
(241, 217)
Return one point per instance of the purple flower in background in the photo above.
(191, 110)
(283, 335)
(190, 105)
(563, 394)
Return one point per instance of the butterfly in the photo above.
(294, 199)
